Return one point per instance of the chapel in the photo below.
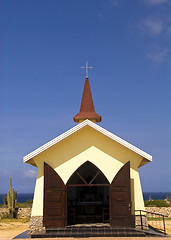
(86, 175)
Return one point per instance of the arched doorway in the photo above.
(88, 195)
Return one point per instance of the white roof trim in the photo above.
(78, 127)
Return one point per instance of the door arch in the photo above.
(88, 195)
(88, 174)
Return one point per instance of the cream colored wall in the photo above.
(87, 144)
(37, 207)
(136, 191)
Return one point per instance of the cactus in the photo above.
(12, 200)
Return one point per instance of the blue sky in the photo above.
(43, 45)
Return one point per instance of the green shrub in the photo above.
(157, 203)
(27, 204)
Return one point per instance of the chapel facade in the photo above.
(86, 175)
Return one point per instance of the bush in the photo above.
(25, 204)
(157, 203)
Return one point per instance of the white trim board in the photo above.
(78, 127)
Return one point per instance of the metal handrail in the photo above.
(151, 213)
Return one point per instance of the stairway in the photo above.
(94, 230)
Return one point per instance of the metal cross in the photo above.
(86, 67)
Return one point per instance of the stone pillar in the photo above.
(36, 225)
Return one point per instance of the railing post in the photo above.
(152, 217)
(141, 220)
(164, 225)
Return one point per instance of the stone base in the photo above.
(36, 225)
(141, 222)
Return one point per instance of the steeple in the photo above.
(87, 110)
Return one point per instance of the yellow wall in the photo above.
(87, 144)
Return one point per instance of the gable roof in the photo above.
(87, 122)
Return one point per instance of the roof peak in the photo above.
(87, 110)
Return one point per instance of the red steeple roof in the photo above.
(87, 110)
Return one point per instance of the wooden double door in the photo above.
(55, 197)
(120, 198)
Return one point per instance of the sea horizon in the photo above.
(23, 197)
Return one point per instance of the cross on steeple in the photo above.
(87, 110)
(86, 67)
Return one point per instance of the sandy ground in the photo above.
(10, 230)
(160, 225)
(168, 227)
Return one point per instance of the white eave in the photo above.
(80, 126)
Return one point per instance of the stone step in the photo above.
(83, 234)
(60, 234)
(90, 229)
(93, 231)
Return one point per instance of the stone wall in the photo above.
(21, 212)
(162, 210)
(3, 212)
(24, 213)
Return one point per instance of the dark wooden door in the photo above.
(54, 214)
(120, 198)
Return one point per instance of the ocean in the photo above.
(23, 197)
